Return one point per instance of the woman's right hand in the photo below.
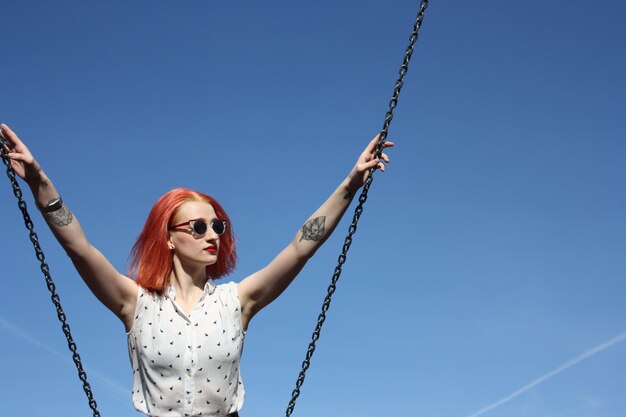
(117, 292)
(22, 160)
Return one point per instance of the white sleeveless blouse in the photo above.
(187, 366)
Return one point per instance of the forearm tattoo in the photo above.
(314, 229)
(347, 195)
(60, 217)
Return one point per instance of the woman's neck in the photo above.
(187, 280)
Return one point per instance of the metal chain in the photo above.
(17, 191)
(358, 211)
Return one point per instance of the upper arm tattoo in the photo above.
(60, 217)
(314, 229)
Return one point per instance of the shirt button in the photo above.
(188, 373)
(188, 401)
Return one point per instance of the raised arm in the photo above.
(116, 291)
(261, 288)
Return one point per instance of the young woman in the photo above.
(185, 333)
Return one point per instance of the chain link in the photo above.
(358, 211)
(50, 284)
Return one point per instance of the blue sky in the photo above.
(488, 273)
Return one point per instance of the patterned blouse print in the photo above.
(187, 366)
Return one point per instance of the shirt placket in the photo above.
(191, 366)
(189, 360)
(189, 357)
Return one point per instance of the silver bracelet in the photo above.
(52, 206)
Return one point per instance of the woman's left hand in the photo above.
(367, 162)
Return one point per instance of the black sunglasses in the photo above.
(200, 227)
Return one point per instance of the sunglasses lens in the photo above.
(199, 227)
(219, 226)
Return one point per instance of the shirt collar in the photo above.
(209, 288)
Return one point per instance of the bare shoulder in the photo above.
(130, 291)
(247, 288)
(245, 300)
(243, 292)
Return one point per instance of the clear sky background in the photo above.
(488, 273)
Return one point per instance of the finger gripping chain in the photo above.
(51, 287)
(359, 209)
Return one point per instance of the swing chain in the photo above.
(17, 191)
(358, 211)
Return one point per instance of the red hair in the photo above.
(151, 259)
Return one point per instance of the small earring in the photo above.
(171, 246)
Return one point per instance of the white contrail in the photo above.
(551, 374)
(114, 386)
